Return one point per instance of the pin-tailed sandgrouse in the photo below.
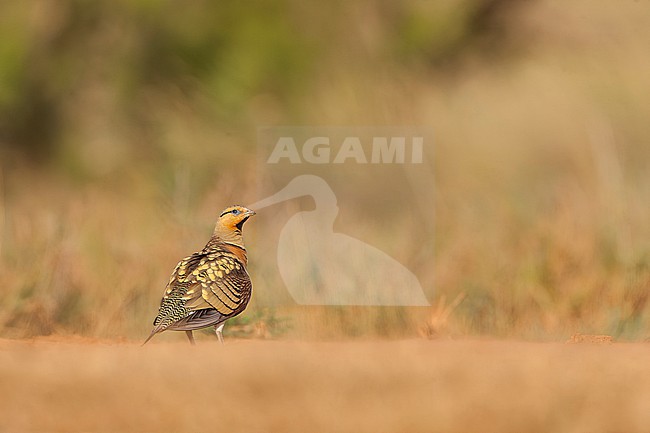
(210, 286)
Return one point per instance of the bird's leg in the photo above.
(190, 337)
(218, 328)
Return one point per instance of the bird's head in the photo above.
(230, 223)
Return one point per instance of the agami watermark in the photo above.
(320, 149)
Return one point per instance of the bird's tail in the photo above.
(153, 332)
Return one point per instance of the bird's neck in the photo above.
(232, 234)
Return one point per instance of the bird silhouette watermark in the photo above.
(320, 266)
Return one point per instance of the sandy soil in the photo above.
(379, 386)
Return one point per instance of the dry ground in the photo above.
(287, 386)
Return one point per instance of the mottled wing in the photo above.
(204, 289)
(172, 305)
(219, 281)
(179, 281)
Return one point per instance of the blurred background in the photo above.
(125, 126)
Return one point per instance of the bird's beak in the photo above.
(250, 212)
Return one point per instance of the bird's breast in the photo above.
(238, 252)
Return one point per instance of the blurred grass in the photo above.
(125, 129)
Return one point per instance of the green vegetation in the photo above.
(124, 126)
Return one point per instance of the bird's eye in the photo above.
(236, 212)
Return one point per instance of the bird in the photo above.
(210, 286)
(322, 267)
